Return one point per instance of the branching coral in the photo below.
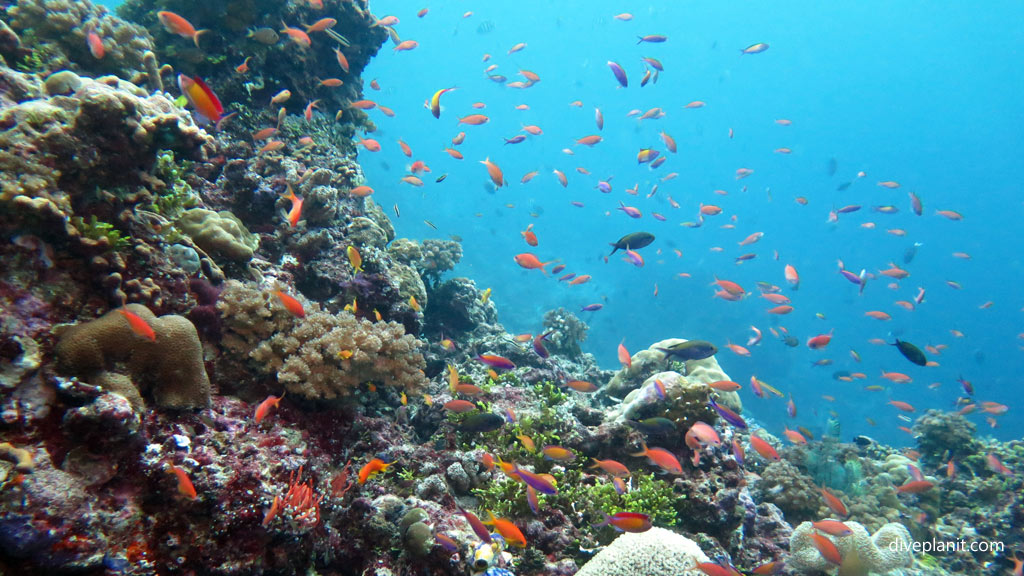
(320, 356)
(569, 332)
(439, 256)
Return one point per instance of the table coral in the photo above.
(656, 552)
(885, 550)
(171, 367)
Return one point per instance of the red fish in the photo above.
(832, 527)
(498, 362)
(372, 468)
(820, 341)
(264, 408)
(509, 531)
(291, 304)
(624, 357)
(626, 522)
(138, 325)
(827, 549)
(95, 43)
(915, 487)
(201, 97)
(834, 503)
(763, 448)
(185, 486)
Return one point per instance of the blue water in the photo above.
(923, 94)
(926, 94)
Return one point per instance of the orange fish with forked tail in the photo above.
(531, 262)
(138, 325)
(497, 176)
(176, 24)
(295, 214)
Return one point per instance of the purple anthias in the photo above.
(619, 73)
(728, 415)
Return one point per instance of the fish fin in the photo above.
(195, 37)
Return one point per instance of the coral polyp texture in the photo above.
(169, 367)
(322, 355)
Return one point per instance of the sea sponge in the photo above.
(656, 552)
(219, 233)
(888, 549)
(171, 368)
(320, 356)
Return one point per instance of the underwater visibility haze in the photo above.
(320, 286)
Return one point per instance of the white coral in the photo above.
(656, 552)
(888, 549)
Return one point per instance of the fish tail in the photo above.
(604, 521)
(195, 37)
(643, 452)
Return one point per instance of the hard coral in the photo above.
(656, 552)
(219, 234)
(55, 30)
(940, 433)
(888, 549)
(171, 367)
(320, 356)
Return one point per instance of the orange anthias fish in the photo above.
(624, 356)
(295, 214)
(763, 448)
(138, 325)
(264, 408)
(662, 458)
(292, 305)
(372, 468)
(834, 503)
(529, 236)
(177, 25)
(530, 262)
(497, 176)
(509, 531)
(201, 97)
(185, 487)
(95, 44)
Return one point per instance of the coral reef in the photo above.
(885, 550)
(319, 356)
(940, 433)
(53, 37)
(170, 367)
(656, 552)
(219, 234)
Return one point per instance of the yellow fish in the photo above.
(353, 307)
(354, 258)
(414, 304)
(453, 377)
(485, 296)
(345, 354)
(405, 399)
(428, 399)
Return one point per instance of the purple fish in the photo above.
(848, 209)
(915, 204)
(515, 139)
(538, 344)
(446, 542)
(604, 186)
(915, 472)
(658, 216)
(577, 204)
(568, 276)
(558, 269)
(620, 485)
(496, 362)
(728, 415)
(631, 211)
(791, 407)
(652, 38)
(591, 307)
(656, 64)
(737, 452)
(535, 481)
(659, 389)
(850, 276)
(619, 73)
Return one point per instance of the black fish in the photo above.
(911, 352)
(690, 350)
(791, 341)
(481, 422)
(634, 241)
(843, 186)
(653, 426)
(833, 165)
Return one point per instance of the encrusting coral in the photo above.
(219, 233)
(319, 356)
(862, 553)
(170, 367)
